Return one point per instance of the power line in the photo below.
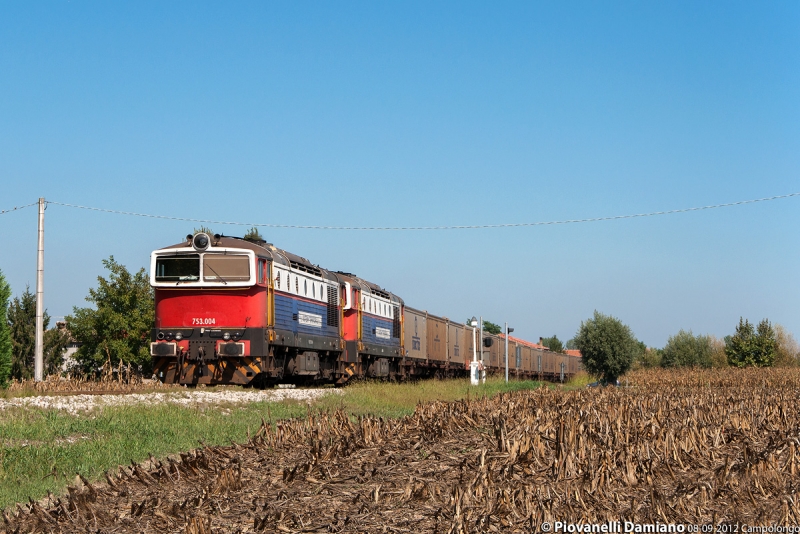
(15, 208)
(399, 228)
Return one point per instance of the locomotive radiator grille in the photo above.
(396, 323)
(333, 301)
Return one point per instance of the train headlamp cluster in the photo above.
(226, 336)
(169, 336)
(201, 241)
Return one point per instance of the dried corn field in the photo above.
(665, 450)
(111, 379)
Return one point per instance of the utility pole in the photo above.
(38, 366)
(507, 332)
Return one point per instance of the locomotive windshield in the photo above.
(227, 268)
(217, 267)
(178, 268)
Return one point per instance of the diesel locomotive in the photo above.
(240, 311)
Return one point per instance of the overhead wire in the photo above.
(15, 208)
(422, 228)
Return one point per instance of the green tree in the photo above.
(5, 335)
(119, 328)
(766, 344)
(553, 343)
(607, 346)
(22, 324)
(491, 328)
(750, 347)
(684, 349)
(253, 235)
(571, 345)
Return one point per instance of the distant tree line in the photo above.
(609, 348)
(763, 345)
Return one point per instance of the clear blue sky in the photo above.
(427, 113)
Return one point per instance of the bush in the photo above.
(787, 351)
(608, 347)
(648, 358)
(718, 357)
(684, 349)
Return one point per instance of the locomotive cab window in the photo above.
(178, 268)
(227, 268)
(262, 272)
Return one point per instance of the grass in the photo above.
(396, 400)
(41, 451)
(580, 380)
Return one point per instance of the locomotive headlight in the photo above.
(201, 241)
(226, 336)
(178, 336)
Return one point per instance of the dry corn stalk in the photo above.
(688, 447)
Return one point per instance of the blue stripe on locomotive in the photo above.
(286, 308)
(368, 325)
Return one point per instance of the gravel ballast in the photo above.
(75, 404)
